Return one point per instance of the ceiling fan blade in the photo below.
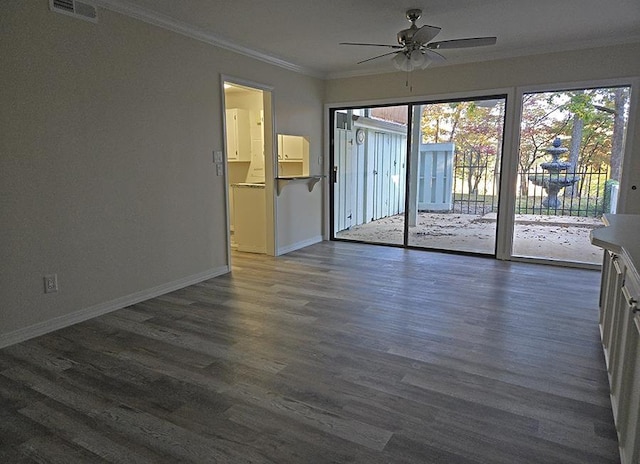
(435, 57)
(462, 43)
(425, 34)
(379, 56)
(371, 45)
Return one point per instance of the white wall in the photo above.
(610, 63)
(106, 173)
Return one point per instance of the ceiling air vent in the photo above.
(75, 8)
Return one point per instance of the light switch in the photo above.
(217, 157)
(219, 169)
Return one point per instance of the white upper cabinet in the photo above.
(238, 135)
(292, 147)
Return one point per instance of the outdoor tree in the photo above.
(591, 121)
(587, 127)
(476, 131)
(621, 99)
(597, 130)
(440, 121)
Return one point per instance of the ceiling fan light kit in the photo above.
(410, 61)
(415, 49)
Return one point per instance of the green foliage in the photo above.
(475, 129)
(551, 114)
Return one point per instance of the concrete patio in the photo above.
(561, 238)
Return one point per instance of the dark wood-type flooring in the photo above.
(337, 353)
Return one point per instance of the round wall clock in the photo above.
(359, 136)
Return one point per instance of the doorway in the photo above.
(248, 131)
(513, 207)
(423, 175)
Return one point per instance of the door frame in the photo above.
(502, 227)
(269, 159)
(634, 84)
(511, 142)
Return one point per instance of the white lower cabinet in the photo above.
(620, 330)
(250, 217)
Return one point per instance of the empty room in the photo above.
(373, 232)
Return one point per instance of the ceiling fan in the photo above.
(415, 49)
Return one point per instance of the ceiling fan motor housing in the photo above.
(405, 36)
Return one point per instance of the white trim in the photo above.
(84, 314)
(556, 262)
(578, 85)
(505, 225)
(326, 171)
(626, 180)
(252, 85)
(171, 24)
(270, 170)
(299, 245)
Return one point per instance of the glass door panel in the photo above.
(369, 172)
(455, 170)
(570, 158)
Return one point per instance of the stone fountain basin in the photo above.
(557, 180)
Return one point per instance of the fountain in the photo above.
(557, 179)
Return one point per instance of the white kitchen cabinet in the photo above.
(293, 155)
(292, 147)
(238, 135)
(625, 375)
(620, 326)
(250, 217)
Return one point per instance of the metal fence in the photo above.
(476, 181)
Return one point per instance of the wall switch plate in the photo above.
(51, 283)
(219, 169)
(217, 157)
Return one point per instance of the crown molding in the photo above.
(171, 24)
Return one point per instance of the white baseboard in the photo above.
(298, 245)
(66, 320)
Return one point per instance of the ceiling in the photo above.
(305, 34)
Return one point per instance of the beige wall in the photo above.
(579, 67)
(106, 173)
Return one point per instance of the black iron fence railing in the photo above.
(475, 190)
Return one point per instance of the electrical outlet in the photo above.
(217, 156)
(219, 169)
(51, 283)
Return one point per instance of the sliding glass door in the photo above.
(570, 161)
(369, 171)
(456, 158)
(429, 174)
(419, 175)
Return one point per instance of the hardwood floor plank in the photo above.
(338, 352)
(54, 450)
(300, 412)
(83, 435)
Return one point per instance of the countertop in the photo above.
(620, 235)
(248, 185)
